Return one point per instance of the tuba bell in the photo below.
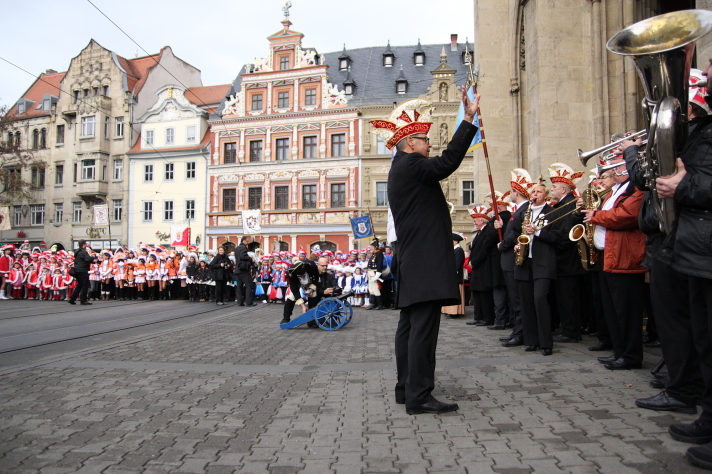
(661, 48)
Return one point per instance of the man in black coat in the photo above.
(82, 260)
(503, 311)
(481, 252)
(243, 272)
(423, 225)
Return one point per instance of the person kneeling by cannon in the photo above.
(316, 282)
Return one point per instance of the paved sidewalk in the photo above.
(241, 395)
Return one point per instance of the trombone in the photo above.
(585, 156)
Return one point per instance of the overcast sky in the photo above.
(216, 36)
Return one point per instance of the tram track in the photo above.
(46, 341)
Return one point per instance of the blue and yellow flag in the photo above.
(362, 227)
(477, 141)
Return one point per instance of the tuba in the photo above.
(523, 240)
(661, 48)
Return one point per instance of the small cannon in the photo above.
(330, 314)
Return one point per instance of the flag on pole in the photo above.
(180, 236)
(362, 227)
(477, 141)
(101, 216)
(251, 222)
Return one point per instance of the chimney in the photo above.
(50, 71)
(453, 42)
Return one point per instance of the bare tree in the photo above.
(14, 159)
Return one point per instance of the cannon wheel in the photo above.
(332, 314)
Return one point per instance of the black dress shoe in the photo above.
(562, 338)
(664, 402)
(85, 303)
(506, 338)
(601, 346)
(433, 406)
(496, 327)
(483, 323)
(700, 456)
(532, 348)
(605, 360)
(621, 364)
(649, 339)
(72, 302)
(514, 342)
(546, 352)
(400, 401)
(694, 432)
(471, 322)
(653, 345)
(284, 321)
(587, 331)
(657, 384)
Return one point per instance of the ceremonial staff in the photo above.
(472, 81)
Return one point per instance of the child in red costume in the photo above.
(16, 278)
(45, 283)
(31, 281)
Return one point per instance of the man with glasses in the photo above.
(424, 228)
(316, 282)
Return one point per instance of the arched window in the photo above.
(324, 245)
(43, 138)
(35, 138)
(229, 247)
(17, 139)
(280, 246)
(252, 246)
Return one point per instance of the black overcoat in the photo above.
(481, 255)
(459, 264)
(425, 256)
(543, 251)
(496, 256)
(568, 261)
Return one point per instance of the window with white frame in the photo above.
(59, 175)
(468, 192)
(167, 210)
(147, 211)
(118, 170)
(190, 170)
(190, 134)
(381, 193)
(58, 213)
(170, 136)
(37, 214)
(381, 146)
(190, 209)
(147, 173)
(119, 127)
(107, 127)
(77, 214)
(88, 169)
(88, 124)
(148, 137)
(118, 207)
(168, 172)
(17, 216)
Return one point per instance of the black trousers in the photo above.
(515, 303)
(290, 304)
(483, 302)
(669, 292)
(701, 319)
(567, 290)
(220, 287)
(244, 280)
(387, 292)
(536, 313)
(622, 295)
(501, 305)
(415, 344)
(82, 287)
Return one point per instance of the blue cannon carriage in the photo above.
(329, 314)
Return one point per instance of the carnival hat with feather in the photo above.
(697, 94)
(563, 173)
(521, 181)
(480, 211)
(408, 118)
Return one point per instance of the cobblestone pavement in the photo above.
(242, 395)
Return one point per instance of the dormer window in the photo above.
(46, 104)
(419, 56)
(349, 84)
(283, 63)
(401, 83)
(21, 108)
(344, 60)
(388, 56)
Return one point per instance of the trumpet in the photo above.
(589, 196)
(585, 156)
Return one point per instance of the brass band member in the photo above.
(481, 253)
(622, 280)
(534, 277)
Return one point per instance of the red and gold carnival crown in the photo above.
(480, 211)
(697, 94)
(563, 173)
(410, 117)
(522, 181)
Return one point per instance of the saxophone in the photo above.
(583, 233)
(524, 238)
